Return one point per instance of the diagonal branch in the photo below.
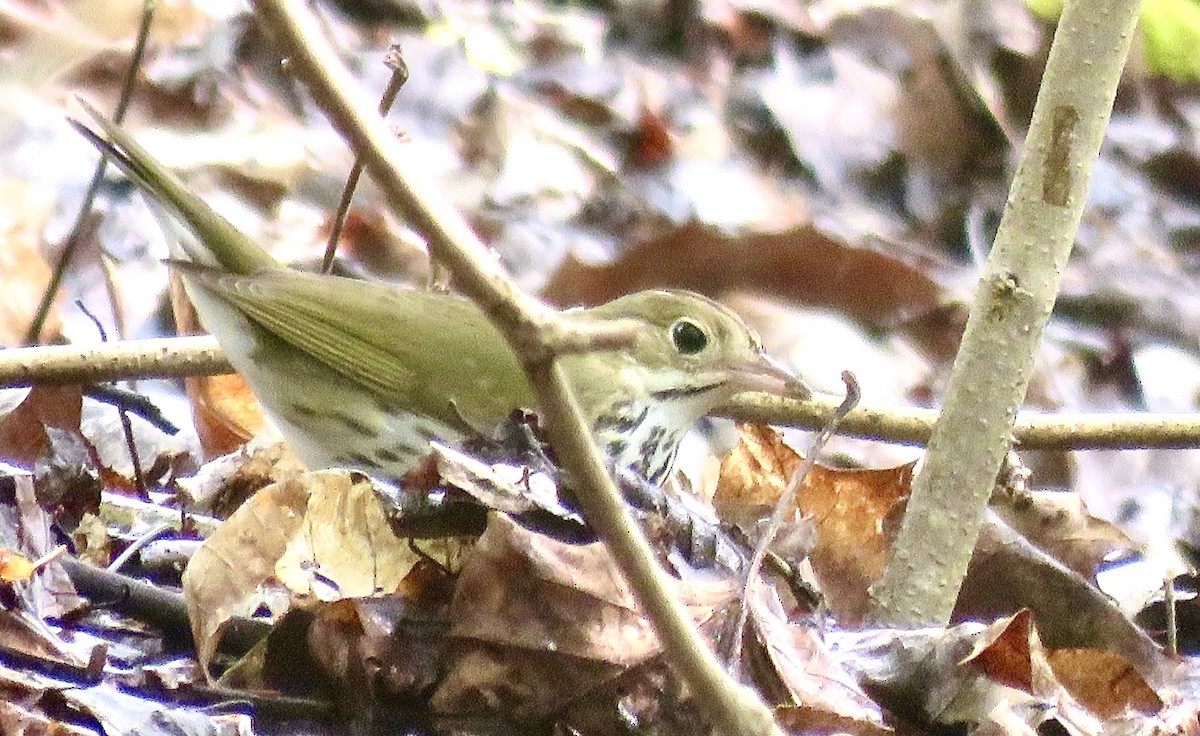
(536, 334)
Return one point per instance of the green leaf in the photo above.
(1170, 33)
(1171, 29)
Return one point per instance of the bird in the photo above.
(364, 374)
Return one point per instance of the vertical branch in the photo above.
(1012, 304)
(81, 231)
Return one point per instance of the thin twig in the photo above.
(109, 265)
(729, 707)
(136, 546)
(168, 357)
(132, 402)
(180, 357)
(783, 507)
(139, 480)
(1172, 622)
(1033, 430)
(80, 231)
(394, 60)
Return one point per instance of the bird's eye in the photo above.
(689, 338)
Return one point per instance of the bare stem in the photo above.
(1012, 304)
(395, 62)
(201, 356)
(83, 229)
(785, 506)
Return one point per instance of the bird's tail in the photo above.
(215, 237)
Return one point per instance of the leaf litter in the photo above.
(833, 160)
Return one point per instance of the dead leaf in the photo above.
(69, 486)
(345, 548)
(652, 140)
(993, 677)
(538, 623)
(27, 530)
(22, 431)
(1059, 524)
(14, 567)
(1007, 574)
(802, 264)
(24, 210)
(916, 673)
(1011, 653)
(224, 410)
(223, 578)
(755, 473)
(380, 650)
(220, 486)
(322, 535)
(1104, 682)
(824, 696)
(854, 512)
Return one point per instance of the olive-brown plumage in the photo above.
(363, 374)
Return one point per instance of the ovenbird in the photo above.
(361, 374)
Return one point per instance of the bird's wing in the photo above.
(431, 353)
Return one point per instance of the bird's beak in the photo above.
(766, 374)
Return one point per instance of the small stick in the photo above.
(81, 230)
(784, 506)
(139, 480)
(395, 61)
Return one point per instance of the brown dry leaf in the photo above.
(379, 649)
(802, 264)
(1011, 653)
(22, 431)
(916, 672)
(69, 486)
(345, 548)
(651, 140)
(749, 28)
(936, 128)
(14, 566)
(224, 410)
(853, 511)
(540, 622)
(1104, 682)
(993, 677)
(28, 530)
(20, 716)
(755, 472)
(826, 697)
(23, 214)
(373, 239)
(1059, 524)
(56, 39)
(1007, 574)
(22, 632)
(220, 486)
(224, 577)
(321, 534)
